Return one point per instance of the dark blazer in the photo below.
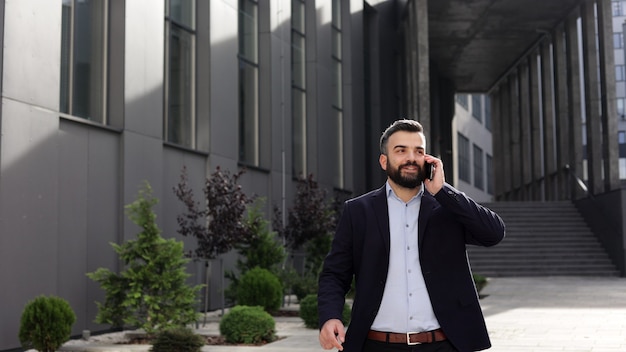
(447, 223)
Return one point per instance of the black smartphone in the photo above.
(429, 170)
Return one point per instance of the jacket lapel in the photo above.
(429, 204)
(381, 212)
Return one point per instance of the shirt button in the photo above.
(408, 248)
(407, 225)
(409, 271)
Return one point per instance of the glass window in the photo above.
(490, 179)
(83, 59)
(464, 158)
(618, 40)
(478, 168)
(477, 107)
(180, 72)
(487, 113)
(617, 8)
(249, 133)
(620, 107)
(619, 72)
(298, 86)
(337, 85)
(621, 137)
(462, 100)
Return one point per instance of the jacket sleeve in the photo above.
(337, 271)
(483, 227)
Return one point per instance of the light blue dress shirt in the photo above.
(405, 306)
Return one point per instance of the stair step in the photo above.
(542, 239)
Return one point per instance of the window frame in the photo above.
(170, 25)
(67, 94)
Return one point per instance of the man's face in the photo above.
(404, 162)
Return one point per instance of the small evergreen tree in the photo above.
(46, 323)
(151, 292)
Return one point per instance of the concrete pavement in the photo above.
(542, 314)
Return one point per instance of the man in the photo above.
(404, 244)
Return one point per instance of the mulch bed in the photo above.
(217, 339)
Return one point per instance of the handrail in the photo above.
(579, 181)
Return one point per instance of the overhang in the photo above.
(476, 42)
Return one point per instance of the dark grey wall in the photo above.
(606, 214)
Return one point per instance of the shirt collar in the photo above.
(391, 193)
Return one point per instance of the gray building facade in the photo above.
(101, 95)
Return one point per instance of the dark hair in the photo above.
(399, 125)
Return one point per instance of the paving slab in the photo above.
(532, 314)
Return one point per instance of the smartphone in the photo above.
(429, 170)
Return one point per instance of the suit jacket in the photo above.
(448, 222)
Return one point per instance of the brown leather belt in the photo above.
(409, 338)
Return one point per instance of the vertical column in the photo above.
(575, 107)
(513, 133)
(610, 149)
(496, 118)
(536, 173)
(506, 152)
(410, 57)
(423, 75)
(592, 107)
(525, 125)
(562, 112)
(547, 96)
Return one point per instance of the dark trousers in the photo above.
(378, 346)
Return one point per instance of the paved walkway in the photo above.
(523, 314)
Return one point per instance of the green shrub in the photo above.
(46, 323)
(305, 285)
(245, 324)
(177, 339)
(151, 292)
(259, 287)
(308, 312)
(480, 282)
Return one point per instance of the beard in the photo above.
(411, 181)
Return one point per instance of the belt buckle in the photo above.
(408, 339)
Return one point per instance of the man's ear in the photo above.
(383, 161)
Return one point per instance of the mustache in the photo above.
(410, 163)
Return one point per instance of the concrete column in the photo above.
(592, 99)
(507, 156)
(537, 181)
(525, 125)
(610, 151)
(496, 129)
(562, 112)
(547, 96)
(575, 107)
(513, 134)
(423, 64)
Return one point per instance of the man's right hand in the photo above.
(332, 334)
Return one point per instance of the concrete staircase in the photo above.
(542, 239)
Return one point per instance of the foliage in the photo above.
(479, 281)
(310, 217)
(151, 292)
(218, 224)
(259, 287)
(46, 323)
(248, 324)
(311, 222)
(262, 250)
(308, 312)
(305, 285)
(177, 339)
